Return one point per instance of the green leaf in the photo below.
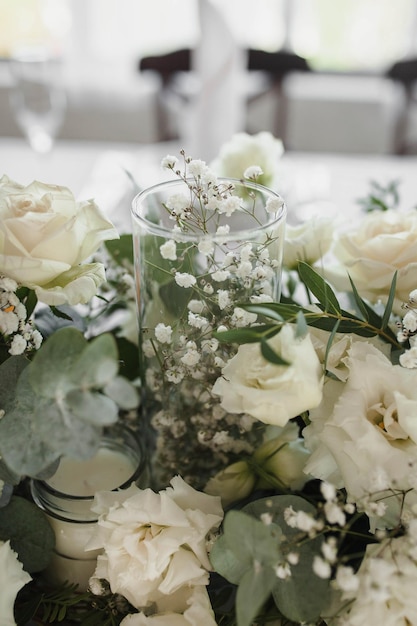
(247, 335)
(360, 303)
(267, 310)
(302, 583)
(225, 562)
(122, 392)
(319, 287)
(30, 534)
(270, 355)
(301, 328)
(390, 302)
(254, 590)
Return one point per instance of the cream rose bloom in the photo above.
(308, 241)
(45, 235)
(12, 578)
(244, 150)
(272, 393)
(383, 243)
(155, 543)
(197, 613)
(364, 434)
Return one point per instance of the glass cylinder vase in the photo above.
(201, 250)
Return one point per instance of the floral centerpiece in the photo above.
(316, 524)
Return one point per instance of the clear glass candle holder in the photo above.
(67, 497)
(200, 252)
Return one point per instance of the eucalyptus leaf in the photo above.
(92, 407)
(302, 596)
(97, 363)
(122, 392)
(225, 562)
(30, 534)
(52, 364)
(254, 590)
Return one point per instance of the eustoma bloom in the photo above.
(45, 236)
(154, 544)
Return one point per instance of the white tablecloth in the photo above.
(311, 182)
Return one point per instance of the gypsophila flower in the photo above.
(169, 250)
(266, 518)
(185, 280)
(283, 571)
(169, 162)
(163, 333)
(409, 358)
(229, 206)
(206, 246)
(273, 205)
(242, 318)
(252, 172)
(196, 306)
(191, 357)
(219, 276)
(321, 567)
(18, 345)
(223, 298)
(223, 230)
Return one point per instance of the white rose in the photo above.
(384, 242)
(307, 242)
(45, 235)
(272, 393)
(197, 613)
(12, 578)
(155, 543)
(244, 150)
(365, 427)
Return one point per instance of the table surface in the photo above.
(310, 182)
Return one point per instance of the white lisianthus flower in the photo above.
(269, 392)
(154, 544)
(197, 613)
(308, 241)
(12, 578)
(185, 280)
(382, 244)
(243, 150)
(365, 424)
(45, 236)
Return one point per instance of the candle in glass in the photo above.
(68, 495)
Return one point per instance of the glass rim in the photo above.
(157, 229)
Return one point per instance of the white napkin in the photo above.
(218, 109)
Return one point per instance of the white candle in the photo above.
(66, 499)
(107, 470)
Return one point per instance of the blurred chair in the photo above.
(168, 67)
(273, 65)
(276, 66)
(405, 73)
